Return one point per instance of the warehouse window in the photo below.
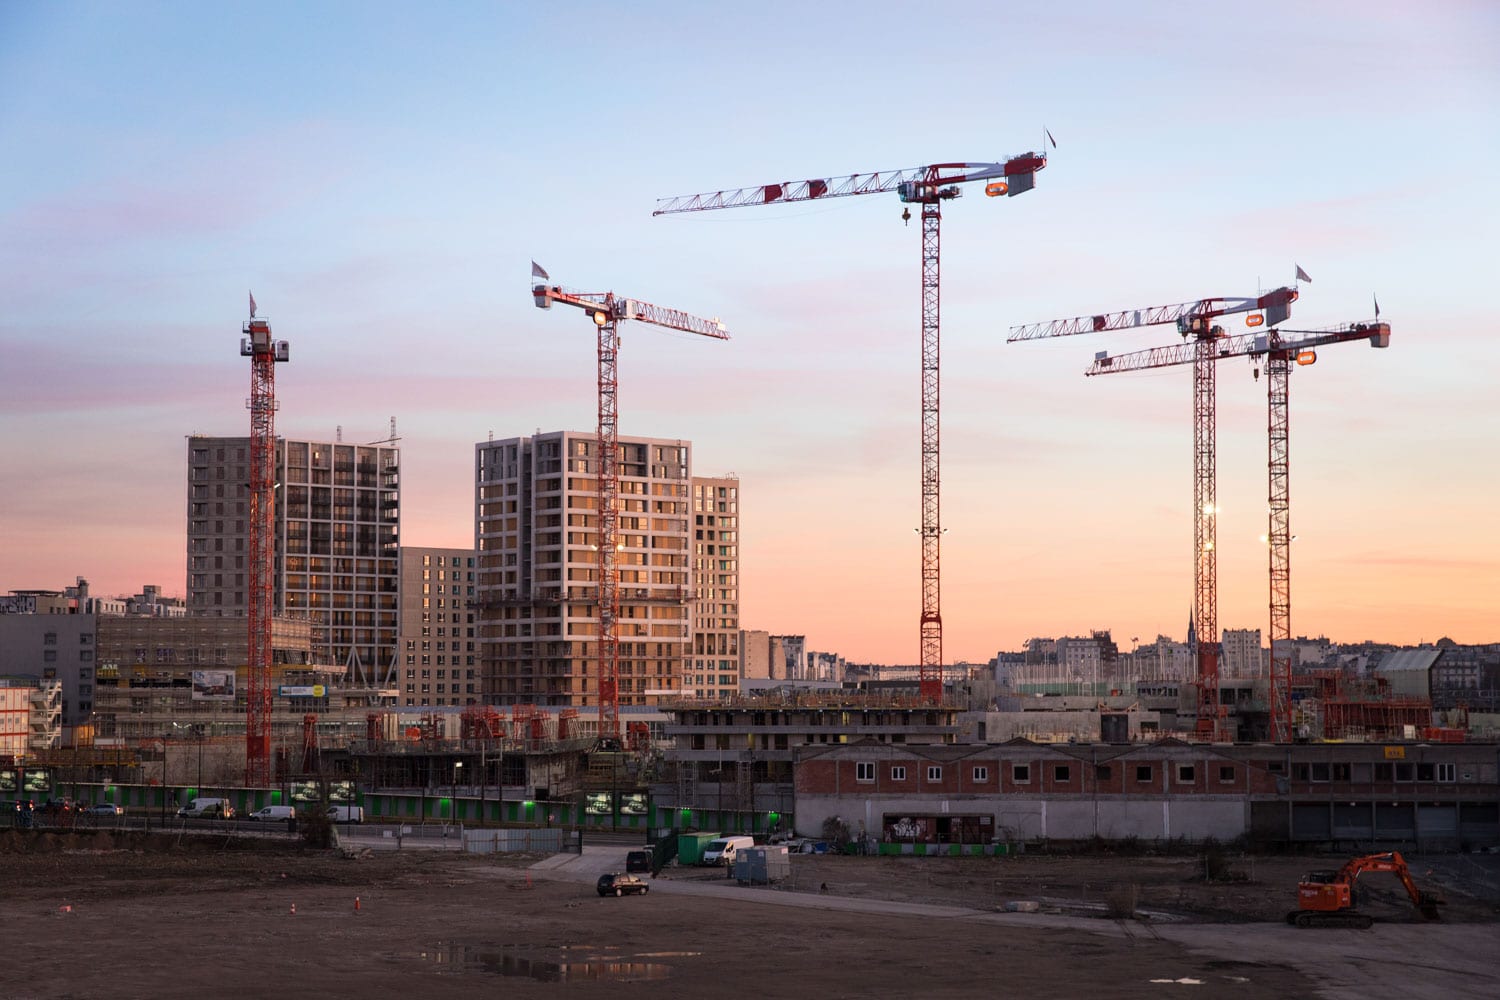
(864, 771)
(1186, 774)
(1021, 774)
(1062, 774)
(934, 774)
(898, 773)
(1143, 772)
(981, 774)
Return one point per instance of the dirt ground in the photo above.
(127, 916)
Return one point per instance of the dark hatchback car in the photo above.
(620, 883)
(638, 861)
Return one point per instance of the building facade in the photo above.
(337, 523)
(52, 642)
(536, 536)
(714, 667)
(439, 651)
(1242, 654)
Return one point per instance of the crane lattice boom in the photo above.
(914, 181)
(1275, 303)
(607, 305)
(1244, 345)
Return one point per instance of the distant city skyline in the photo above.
(383, 200)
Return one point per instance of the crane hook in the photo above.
(906, 215)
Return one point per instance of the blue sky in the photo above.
(382, 174)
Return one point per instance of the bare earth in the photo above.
(97, 915)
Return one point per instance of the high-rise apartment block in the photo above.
(536, 527)
(337, 530)
(1242, 654)
(714, 667)
(439, 661)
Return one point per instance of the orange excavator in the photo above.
(1326, 899)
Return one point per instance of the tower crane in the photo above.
(928, 187)
(1194, 320)
(263, 353)
(607, 311)
(1279, 354)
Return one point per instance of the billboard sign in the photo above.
(306, 791)
(213, 685)
(598, 804)
(36, 779)
(341, 791)
(633, 804)
(9, 780)
(303, 691)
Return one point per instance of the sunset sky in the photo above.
(381, 175)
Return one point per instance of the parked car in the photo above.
(106, 809)
(639, 861)
(207, 809)
(620, 883)
(275, 813)
(346, 814)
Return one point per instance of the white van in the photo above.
(275, 813)
(206, 809)
(346, 814)
(723, 850)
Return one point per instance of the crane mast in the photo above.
(263, 353)
(607, 311)
(1194, 320)
(1279, 354)
(928, 187)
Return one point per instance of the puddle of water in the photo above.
(454, 958)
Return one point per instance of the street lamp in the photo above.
(457, 773)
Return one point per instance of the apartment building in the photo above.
(536, 536)
(44, 635)
(1241, 654)
(337, 523)
(439, 659)
(714, 667)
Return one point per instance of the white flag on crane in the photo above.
(1301, 274)
(252, 305)
(537, 272)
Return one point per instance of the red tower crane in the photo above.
(607, 311)
(1194, 320)
(263, 353)
(1279, 355)
(929, 187)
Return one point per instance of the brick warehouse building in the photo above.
(1437, 796)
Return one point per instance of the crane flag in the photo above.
(1301, 274)
(1377, 306)
(538, 272)
(1050, 139)
(252, 305)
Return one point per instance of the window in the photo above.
(1447, 772)
(1021, 774)
(1385, 772)
(1143, 772)
(981, 774)
(1318, 772)
(1340, 772)
(1062, 773)
(934, 773)
(864, 771)
(1424, 772)
(50, 639)
(898, 773)
(1403, 772)
(1226, 773)
(1186, 774)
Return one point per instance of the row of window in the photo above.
(1020, 774)
(1384, 771)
